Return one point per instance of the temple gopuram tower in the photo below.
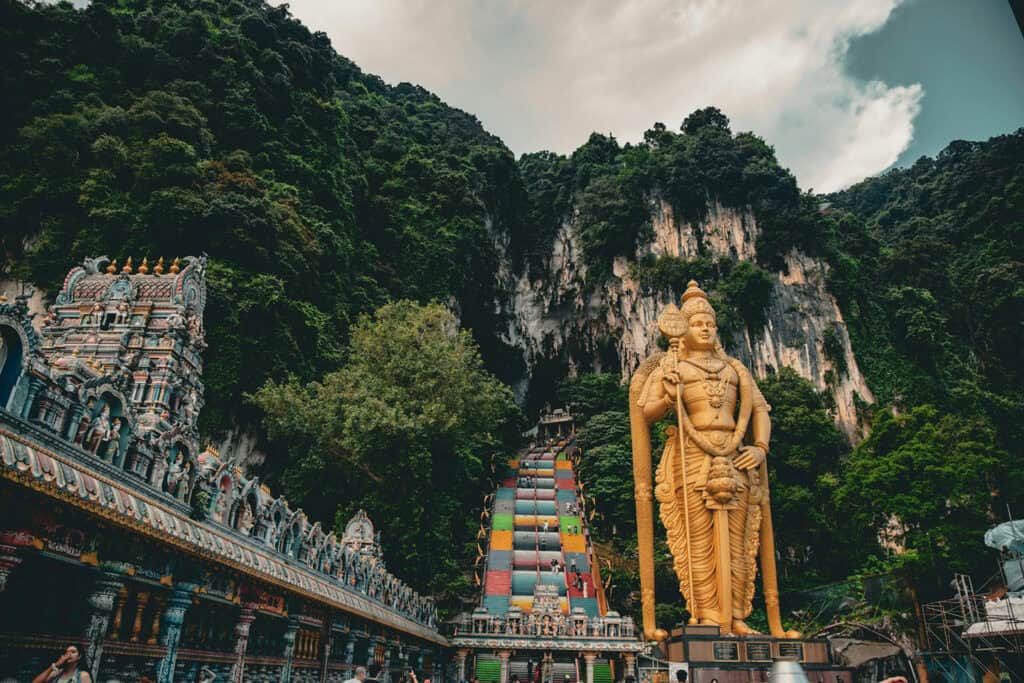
(127, 344)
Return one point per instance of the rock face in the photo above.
(554, 315)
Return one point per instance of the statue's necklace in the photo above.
(715, 385)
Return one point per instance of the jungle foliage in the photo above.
(408, 429)
(614, 190)
(149, 128)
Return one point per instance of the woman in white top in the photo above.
(67, 669)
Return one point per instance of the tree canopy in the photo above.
(408, 430)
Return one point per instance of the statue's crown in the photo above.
(695, 301)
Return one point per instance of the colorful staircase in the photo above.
(535, 521)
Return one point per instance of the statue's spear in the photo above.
(673, 325)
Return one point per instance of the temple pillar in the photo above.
(35, 385)
(350, 649)
(115, 626)
(289, 647)
(460, 664)
(589, 657)
(385, 674)
(629, 666)
(245, 619)
(101, 606)
(325, 647)
(171, 621)
(74, 419)
(9, 561)
(504, 656)
(158, 610)
(141, 600)
(371, 652)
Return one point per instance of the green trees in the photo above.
(928, 484)
(805, 467)
(407, 430)
(613, 189)
(167, 128)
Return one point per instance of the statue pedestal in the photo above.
(730, 659)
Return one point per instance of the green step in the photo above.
(489, 670)
(502, 522)
(602, 673)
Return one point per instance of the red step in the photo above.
(587, 579)
(498, 583)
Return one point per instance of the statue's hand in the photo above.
(670, 381)
(750, 457)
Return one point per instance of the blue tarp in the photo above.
(1009, 535)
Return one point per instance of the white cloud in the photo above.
(543, 75)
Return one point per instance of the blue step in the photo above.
(582, 564)
(524, 582)
(589, 605)
(496, 604)
(538, 507)
(500, 560)
(566, 496)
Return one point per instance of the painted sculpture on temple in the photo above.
(712, 480)
(100, 431)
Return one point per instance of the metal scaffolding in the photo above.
(963, 629)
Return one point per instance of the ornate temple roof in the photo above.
(62, 478)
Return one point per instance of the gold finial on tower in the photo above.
(144, 268)
(127, 270)
(175, 266)
(112, 268)
(158, 269)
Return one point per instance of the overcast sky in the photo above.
(841, 89)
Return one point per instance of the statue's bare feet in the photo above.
(740, 628)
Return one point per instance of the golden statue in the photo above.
(714, 499)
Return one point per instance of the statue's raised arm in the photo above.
(712, 482)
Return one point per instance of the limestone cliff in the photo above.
(553, 314)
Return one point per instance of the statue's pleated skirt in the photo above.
(744, 523)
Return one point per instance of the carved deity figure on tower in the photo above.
(712, 480)
(99, 431)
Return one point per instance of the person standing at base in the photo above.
(359, 676)
(69, 668)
